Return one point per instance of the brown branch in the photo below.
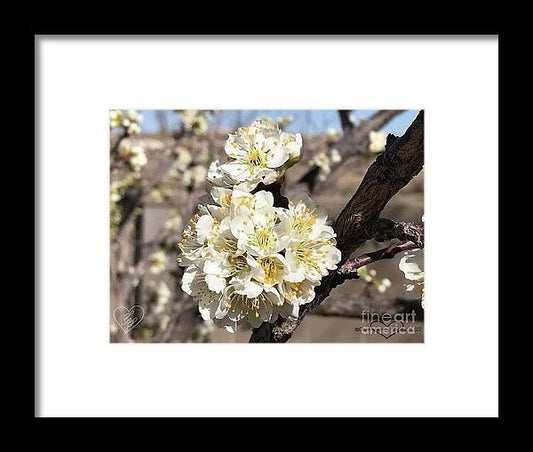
(352, 264)
(385, 230)
(119, 139)
(346, 123)
(391, 171)
(138, 236)
(410, 234)
(355, 141)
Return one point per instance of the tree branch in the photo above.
(118, 140)
(355, 141)
(391, 171)
(352, 264)
(346, 123)
(385, 230)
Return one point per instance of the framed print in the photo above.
(315, 222)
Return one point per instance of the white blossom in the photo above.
(370, 276)
(249, 261)
(159, 295)
(128, 121)
(116, 194)
(377, 141)
(259, 153)
(323, 161)
(219, 178)
(412, 266)
(134, 128)
(333, 135)
(157, 262)
(174, 223)
(115, 118)
(183, 158)
(133, 156)
(203, 155)
(195, 176)
(194, 121)
(384, 285)
(164, 321)
(134, 116)
(335, 155)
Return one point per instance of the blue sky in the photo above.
(305, 121)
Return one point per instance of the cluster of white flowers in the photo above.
(195, 176)
(164, 321)
(157, 262)
(194, 121)
(371, 278)
(183, 158)
(258, 153)
(159, 295)
(118, 189)
(378, 140)
(174, 222)
(133, 156)
(192, 171)
(128, 121)
(160, 194)
(323, 161)
(412, 266)
(247, 260)
(333, 135)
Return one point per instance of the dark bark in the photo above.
(346, 124)
(138, 252)
(385, 230)
(118, 140)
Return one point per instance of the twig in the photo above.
(351, 265)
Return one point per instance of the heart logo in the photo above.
(127, 319)
(386, 330)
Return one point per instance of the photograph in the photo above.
(247, 226)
